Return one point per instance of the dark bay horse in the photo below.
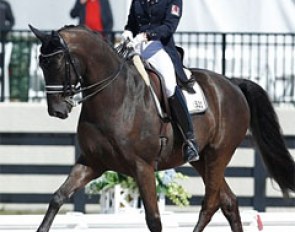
(119, 128)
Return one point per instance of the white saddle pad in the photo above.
(196, 102)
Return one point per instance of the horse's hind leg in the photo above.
(229, 207)
(80, 175)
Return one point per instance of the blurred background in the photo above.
(199, 15)
(251, 39)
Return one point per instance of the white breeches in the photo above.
(155, 54)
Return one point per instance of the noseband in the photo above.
(69, 90)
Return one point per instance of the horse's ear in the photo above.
(43, 37)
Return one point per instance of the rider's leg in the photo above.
(163, 64)
(179, 112)
(183, 81)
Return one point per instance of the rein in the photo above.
(101, 85)
(70, 90)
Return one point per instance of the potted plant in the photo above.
(120, 193)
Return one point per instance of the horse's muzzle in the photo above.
(60, 110)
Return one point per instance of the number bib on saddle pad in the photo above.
(196, 103)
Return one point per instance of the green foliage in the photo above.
(19, 71)
(109, 180)
(166, 183)
(19, 64)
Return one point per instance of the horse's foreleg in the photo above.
(229, 207)
(145, 179)
(80, 175)
(209, 207)
(217, 192)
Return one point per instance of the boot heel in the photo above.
(191, 151)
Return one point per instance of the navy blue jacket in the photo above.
(106, 14)
(159, 19)
(6, 16)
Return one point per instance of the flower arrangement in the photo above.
(166, 183)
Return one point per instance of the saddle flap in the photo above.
(196, 102)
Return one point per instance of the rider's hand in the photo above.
(127, 36)
(137, 41)
(141, 37)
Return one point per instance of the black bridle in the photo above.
(68, 89)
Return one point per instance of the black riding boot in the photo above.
(181, 116)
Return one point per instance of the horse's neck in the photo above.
(124, 96)
(101, 63)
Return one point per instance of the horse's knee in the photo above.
(229, 207)
(154, 223)
(211, 204)
(57, 200)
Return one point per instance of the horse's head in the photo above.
(61, 72)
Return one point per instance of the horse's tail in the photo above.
(266, 132)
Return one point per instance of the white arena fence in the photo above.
(37, 152)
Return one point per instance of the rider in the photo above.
(153, 23)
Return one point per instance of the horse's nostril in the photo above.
(53, 114)
(58, 114)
